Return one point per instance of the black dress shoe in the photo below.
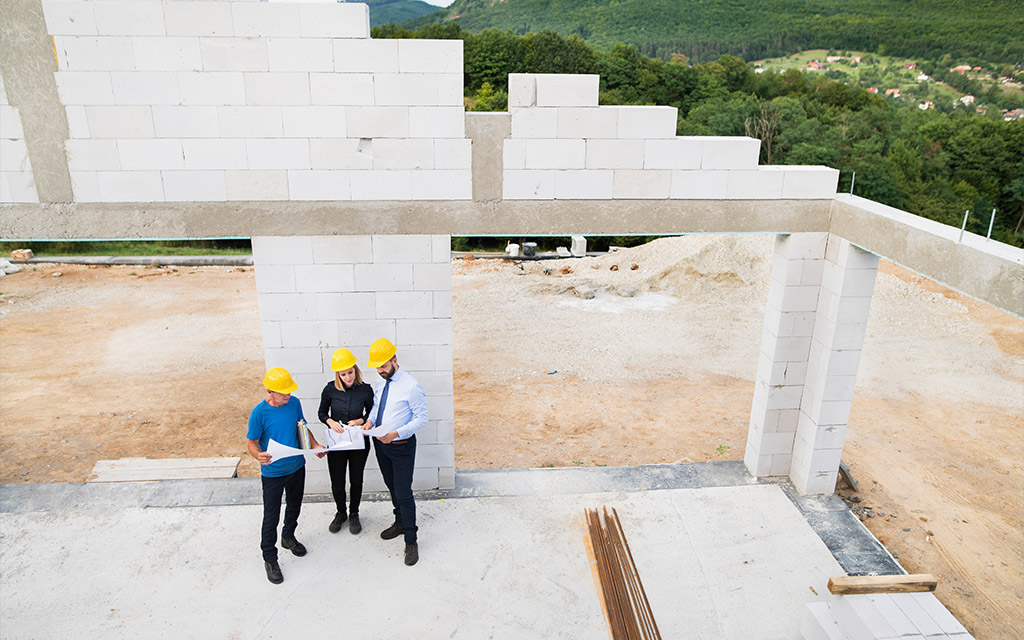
(354, 526)
(335, 526)
(295, 546)
(274, 572)
(412, 554)
(393, 531)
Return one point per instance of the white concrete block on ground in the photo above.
(287, 306)
(566, 90)
(354, 331)
(303, 333)
(273, 250)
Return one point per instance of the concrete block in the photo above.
(218, 153)
(441, 249)
(442, 304)
(514, 154)
(275, 278)
(306, 333)
(145, 87)
(818, 624)
(673, 153)
(404, 304)
(167, 53)
(425, 332)
(614, 154)
(194, 186)
(296, 361)
(809, 182)
(849, 282)
(185, 122)
(346, 306)
(402, 153)
(754, 185)
(91, 53)
(432, 277)
(818, 484)
(783, 397)
(446, 477)
(699, 185)
(69, 18)
(366, 56)
(150, 155)
(342, 249)
(84, 185)
(341, 88)
(758, 465)
(265, 19)
(274, 250)
(791, 297)
(78, 122)
(453, 153)
(437, 122)
(319, 184)
(19, 186)
(402, 249)
(435, 455)
(279, 153)
(938, 613)
(893, 615)
(442, 185)
(788, 420)
(213, 88)
(130, 186)
(555, 154)
(408, 89)
(116, 18)
(257, 185)
(534, 123)
(198, 19)
(583, 185)
(378, 122)
(648, 122)
(528, 185)
(587, 122)
(382, 185)
(81, 87)
(725, 152)
(825, 460)
(522, 91)
(300, 54)
(314, 122)
(271, 332)
(856, 258)
(443, 357)
(250, 122)
(430, 56)
(234, 54)
(352, 331)
(780, 464)
(92, 155)
(567, 90)
(846, 309)
(287, 306)
(337, 20)
(811, 272)
(439, 407)
(787, 349)
(801, 246)
(776, 443)
(276, 88)
(340, 153)
(424, 478)
(642, 184)
(383, 277)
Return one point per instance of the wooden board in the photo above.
(143, 469)
(847, 585)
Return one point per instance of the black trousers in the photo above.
(292, 487)
(356, 462)
(396, 464)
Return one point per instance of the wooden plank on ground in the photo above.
(143, 469)
(848, 585)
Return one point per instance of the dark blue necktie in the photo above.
(383, 401)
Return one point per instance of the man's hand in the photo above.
(264, 457)
(335, 426)
(317, 445)
(358, 422)
(388, 437)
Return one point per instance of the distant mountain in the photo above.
(754, 29)
(387, 11)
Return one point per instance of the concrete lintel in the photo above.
(488, 132)
(989, 271)
(87, 221)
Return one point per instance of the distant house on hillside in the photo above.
(924, 106)
(923, 77)
(895, 93)
(910, 65)
(968, 99)
(814, 65)
(872, 89)
(964, 68)
(1015, 114)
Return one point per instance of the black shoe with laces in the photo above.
(354, 525)
(274, 572)
(393, 531)
(412, 554)
(339, 519)
(294, 545)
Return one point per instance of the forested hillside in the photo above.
(703, 30)
(386, 11)
(929, 162)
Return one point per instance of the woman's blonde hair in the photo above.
(358, 380)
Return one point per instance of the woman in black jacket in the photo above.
(346, 402)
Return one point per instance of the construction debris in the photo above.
(847, 585)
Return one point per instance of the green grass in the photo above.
(131, 248)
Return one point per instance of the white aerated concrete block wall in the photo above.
(630, 152)
(180, 100)
(881, 616)
(17, 184)
(319, 293)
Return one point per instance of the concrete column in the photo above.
(840, 321)
(319, 293)
(797, 266)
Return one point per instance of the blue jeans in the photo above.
(292, 486)
(396, 464)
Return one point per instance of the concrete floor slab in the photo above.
(722, 562)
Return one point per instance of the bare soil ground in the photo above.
(112, 362)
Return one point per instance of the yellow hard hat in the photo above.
(380, 352)
(342, 360)
(279, 380)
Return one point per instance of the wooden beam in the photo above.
(847, 585)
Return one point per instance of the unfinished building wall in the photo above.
(319, 293)
(17, 183)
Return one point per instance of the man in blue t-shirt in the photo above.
(278, 418)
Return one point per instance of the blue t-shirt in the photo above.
(281, 424)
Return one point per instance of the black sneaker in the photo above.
(412, 554)
(354, 526)
(295, 546)
(339, 519)
(274, 572)
(393, 531)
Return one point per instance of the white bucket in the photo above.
(512, 250)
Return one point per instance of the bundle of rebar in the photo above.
(627, 609)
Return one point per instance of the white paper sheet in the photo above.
(350, 440)
(278, 451)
